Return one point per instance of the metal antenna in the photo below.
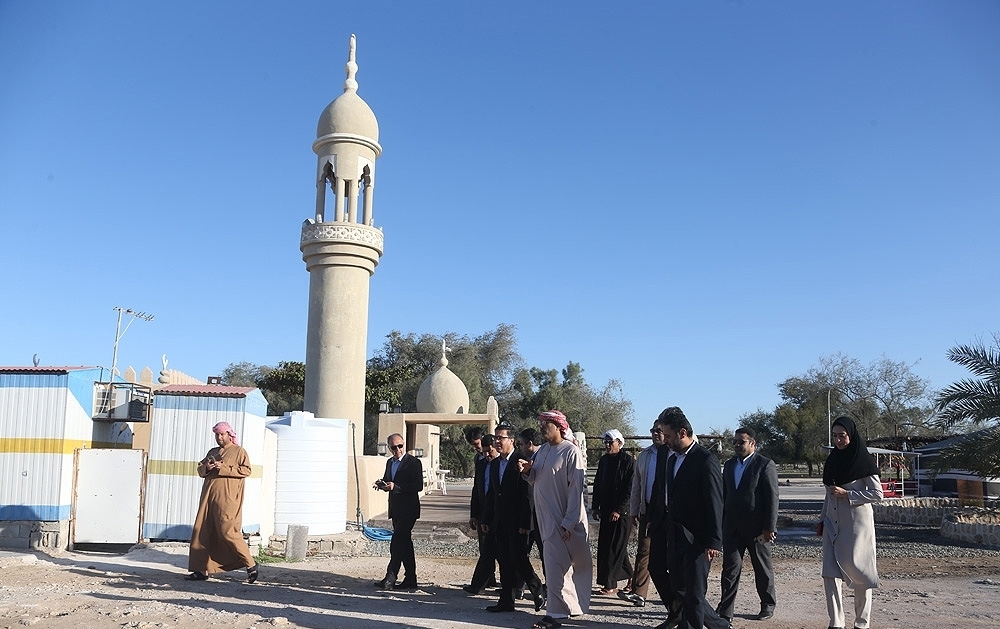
(119, 333)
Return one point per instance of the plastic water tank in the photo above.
(310, 473)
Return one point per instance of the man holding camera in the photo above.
(403, 479)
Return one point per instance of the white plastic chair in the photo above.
(440, 481)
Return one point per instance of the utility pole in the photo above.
(119, 333)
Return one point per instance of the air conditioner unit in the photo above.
(120, 398)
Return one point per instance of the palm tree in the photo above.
(976, 403)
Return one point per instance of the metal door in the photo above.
(107, 496)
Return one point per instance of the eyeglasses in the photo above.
(655, 431)
(739, 442)
(501, 437)
(398, 446)
(608, 441)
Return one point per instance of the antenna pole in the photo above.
(119, 333)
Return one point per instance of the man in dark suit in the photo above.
(484, 574)
(507, 516)
(749, 521)
(403, 479)
(694, 511)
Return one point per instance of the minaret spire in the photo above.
(351, 84)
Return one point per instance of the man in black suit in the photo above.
(484, 575)
(749, 521)
(403, 479)
(694, 510)
(507, 516)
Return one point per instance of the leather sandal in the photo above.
(197, 576)
(252, 573)
(547, 622)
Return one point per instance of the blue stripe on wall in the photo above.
(35, 513)
(180, 532)
(199, 403)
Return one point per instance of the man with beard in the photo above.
(610, 504)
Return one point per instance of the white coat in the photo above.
(849, 534)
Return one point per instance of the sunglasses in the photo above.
(398, 446)
(655, 431)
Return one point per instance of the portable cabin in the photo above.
(47, 415)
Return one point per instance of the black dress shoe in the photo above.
(386, 584)
(539, 602)
(500, 608)
(472, 590)
(673, 619)
(765, 613)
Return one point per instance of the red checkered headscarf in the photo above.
(557, 418)
(222, 427)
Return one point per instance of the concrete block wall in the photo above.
(29, 535)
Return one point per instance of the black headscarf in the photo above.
(851, 463)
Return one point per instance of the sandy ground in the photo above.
(146, 589)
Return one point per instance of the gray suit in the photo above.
(750, 509)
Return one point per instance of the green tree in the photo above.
(766, 433)
(485, 365)
(587, 409)
(973, 403)
(283, 386)
(885, 397)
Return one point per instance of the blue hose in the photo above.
(376, 534)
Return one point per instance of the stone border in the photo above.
(973, 525)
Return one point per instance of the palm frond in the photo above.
(979, 359)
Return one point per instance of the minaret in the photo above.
(341, 249)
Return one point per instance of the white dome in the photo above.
(443, 392)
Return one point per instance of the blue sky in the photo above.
(699, 199)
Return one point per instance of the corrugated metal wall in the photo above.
(34, 449)
(181, 435)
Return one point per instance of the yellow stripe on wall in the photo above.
(186, 468)
(37, 445)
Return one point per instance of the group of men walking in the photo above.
(529, 489)
(689, 512)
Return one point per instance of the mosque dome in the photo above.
(443, 392)
(349, 113)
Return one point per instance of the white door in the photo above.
(107, 497)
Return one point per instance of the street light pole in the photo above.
(829, 426)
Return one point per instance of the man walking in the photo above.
(660, 529)
(527, 444)
(484, 574)
(749, 521)
(507, 516)
(640, 496)
(610, 504)
(694, 509)
(403, 479)
(557, 474)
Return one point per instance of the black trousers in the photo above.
(734, 546)
(689, 573)
(515, 566)
(485, 571)
(401, 548)
(659, 534)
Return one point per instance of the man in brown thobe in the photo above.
(217, 543)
